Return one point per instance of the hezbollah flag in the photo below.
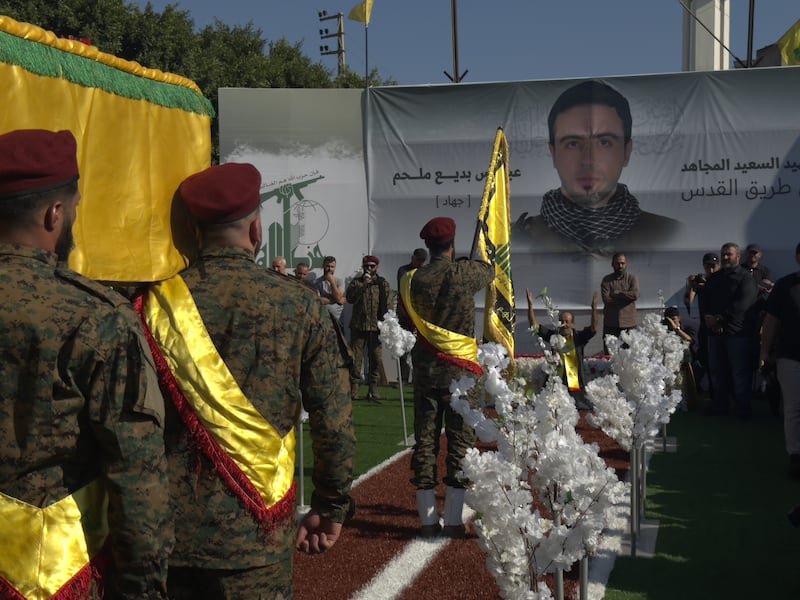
(492, 244)
(361, 12)
(140, 132)
(789, 45)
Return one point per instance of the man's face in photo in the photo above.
(589, 153)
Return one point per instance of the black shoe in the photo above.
(429, 531)
(455, 532)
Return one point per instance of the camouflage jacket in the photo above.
(370, 302)
(79, 400)
(442, 293)
(279, 344)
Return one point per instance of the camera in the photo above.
(698, 281)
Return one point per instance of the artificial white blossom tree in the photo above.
(544, 497)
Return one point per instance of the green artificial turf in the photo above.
(379, 432)
(721, 502)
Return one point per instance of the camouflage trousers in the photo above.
(270, 582)
(365, 343)
(431, 410)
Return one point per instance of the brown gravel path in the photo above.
(387, 520)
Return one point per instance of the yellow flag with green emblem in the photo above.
(492, 244)
(789, 45)
(140, 133)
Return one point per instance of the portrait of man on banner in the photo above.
(590, 143)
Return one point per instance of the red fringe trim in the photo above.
(461, 363)
(78, 587)
(227, 469)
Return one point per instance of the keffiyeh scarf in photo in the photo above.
(590, 227)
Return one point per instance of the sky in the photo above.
(410, 41)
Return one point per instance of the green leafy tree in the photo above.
(216, 56)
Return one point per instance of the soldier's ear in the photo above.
(52, 216)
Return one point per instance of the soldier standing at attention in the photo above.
(82, 469)
(441, 294)
(237, 348)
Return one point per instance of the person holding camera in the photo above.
(369, 293)
(695, 287)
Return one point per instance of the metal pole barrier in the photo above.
(634, 454)
(302, 474)
(402, 402)
(558, 576)
(643, 485)
(584, 578)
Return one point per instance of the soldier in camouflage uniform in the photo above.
(80, 407)
(279, 344)
(442, 293)
(370, 294)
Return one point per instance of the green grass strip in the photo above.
(46, 61)
(721, 502)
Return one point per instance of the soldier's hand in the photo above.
(317, 534)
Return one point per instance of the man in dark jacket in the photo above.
(729, 302)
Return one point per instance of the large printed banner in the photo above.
(713, 157)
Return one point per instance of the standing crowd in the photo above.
(151, 436)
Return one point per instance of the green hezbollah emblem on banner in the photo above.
(140, 132)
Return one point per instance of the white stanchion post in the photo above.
(302, 469)
(558, 576)
(402, 402)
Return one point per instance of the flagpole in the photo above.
(366, 55)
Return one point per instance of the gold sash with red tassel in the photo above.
(253, 459)
(449, 346)
(53, 552)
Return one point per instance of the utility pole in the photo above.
(324, 34)
(456, 78)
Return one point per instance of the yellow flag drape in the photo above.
(789, 45)
(140, 132)
(493, 244)
(361, 12)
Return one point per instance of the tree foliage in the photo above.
(216, 56)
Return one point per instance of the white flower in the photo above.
(393, 337)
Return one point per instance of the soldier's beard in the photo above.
(65, 243)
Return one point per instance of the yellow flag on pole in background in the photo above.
(140, 133)
(361, 12)
(789, 45)
(492, 244)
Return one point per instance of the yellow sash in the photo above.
(44, 548)
(265, 458)
(460, 347)
(569, 355)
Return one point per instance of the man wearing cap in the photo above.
(237, 348)
(695, 288)
(369, 293)
(82, 469)
(760, 272)
(439, 300)
(418, 258)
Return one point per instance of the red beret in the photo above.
(222, 193)
(370, 259)
(439, 230)
(35, 160)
